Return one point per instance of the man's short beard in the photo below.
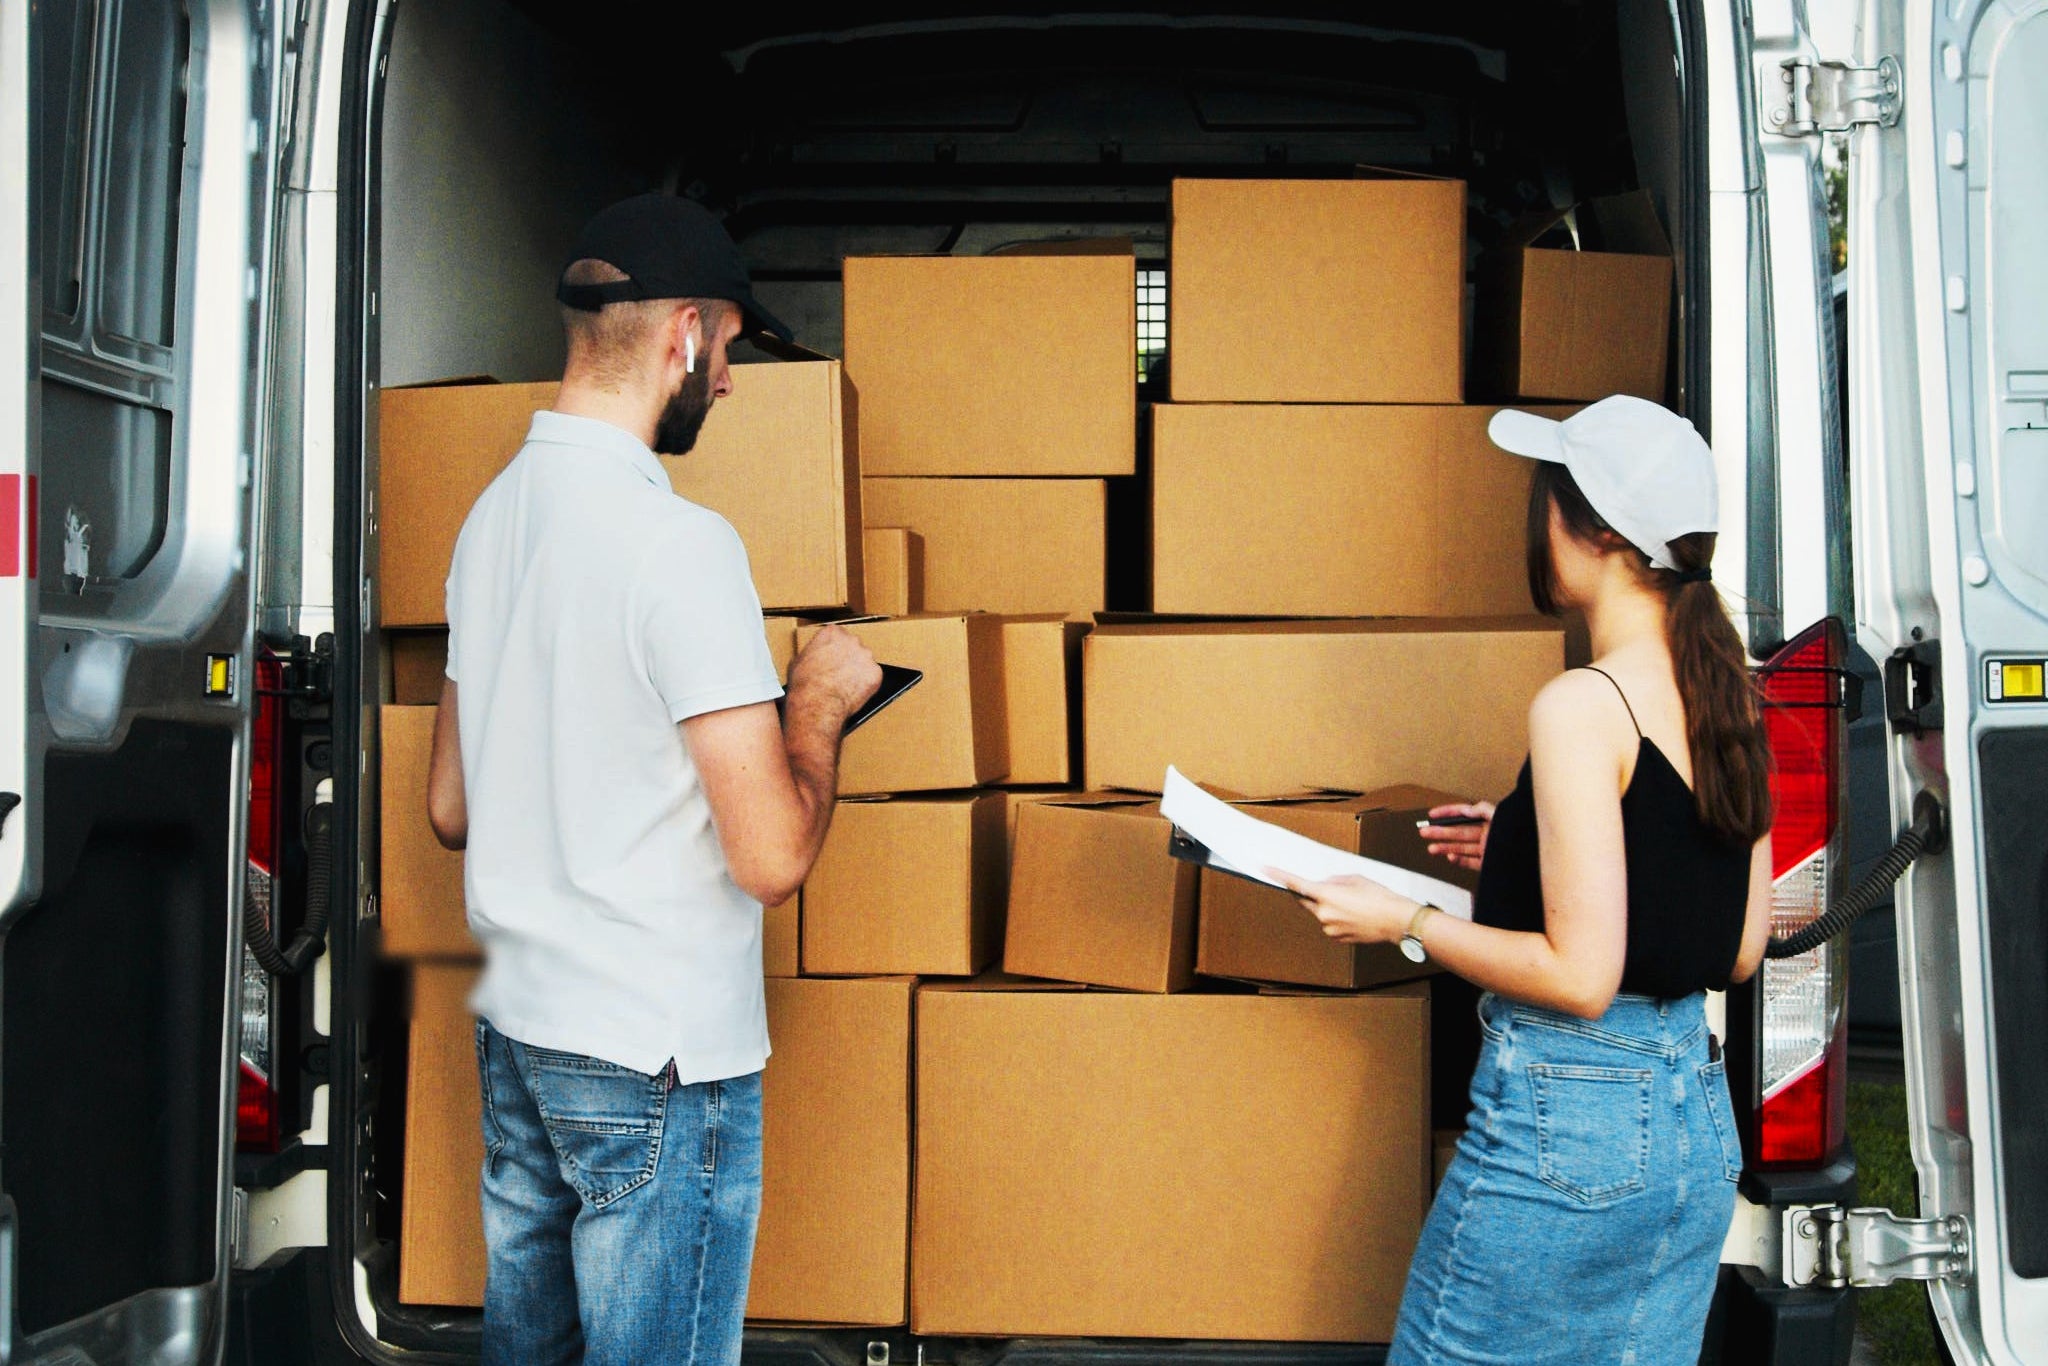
(683, 416)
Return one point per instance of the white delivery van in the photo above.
(224, 224)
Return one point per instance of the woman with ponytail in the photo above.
(1582, 1217)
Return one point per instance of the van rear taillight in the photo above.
(1802, 1034)
(257, 1128)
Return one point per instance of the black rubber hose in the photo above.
(1924, 833)
(311, 940)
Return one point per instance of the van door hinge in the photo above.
(1832, 97)
(1912, 688)
(1831, 1248)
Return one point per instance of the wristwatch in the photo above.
(1411, 942)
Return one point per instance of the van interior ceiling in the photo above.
(909, 130)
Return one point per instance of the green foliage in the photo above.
(1894, 1320)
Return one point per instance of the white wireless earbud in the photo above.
(690, 353)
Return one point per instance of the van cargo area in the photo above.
(899, 132)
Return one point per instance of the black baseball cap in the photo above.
(669, 248)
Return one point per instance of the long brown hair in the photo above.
(1724, 729)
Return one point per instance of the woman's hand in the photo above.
(1464, 845)
(1352, 909)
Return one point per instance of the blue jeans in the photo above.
(619, 1210)
(1582, 1216)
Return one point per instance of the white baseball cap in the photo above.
(1642, 467)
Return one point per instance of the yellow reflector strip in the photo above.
(2023, 682)
(220, 675)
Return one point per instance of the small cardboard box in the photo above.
(1098, 1164)
(1576, 304)
(1095, 897)
(1319, 510)
(1042, 689)
(947, 732)
(1018, 364)
(1003, 545)
(776, 458)
(1262, 934)
(441, 1224)
(1364, 278)
(907, 885)
(781, 632)
(833, 1243)
(895, 571)
(421, 904)
(1272, 707)
(782, 938)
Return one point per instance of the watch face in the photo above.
(1411, 948)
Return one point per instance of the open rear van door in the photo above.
(1948, 316)
(136, 166)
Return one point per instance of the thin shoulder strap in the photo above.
(1624, 698)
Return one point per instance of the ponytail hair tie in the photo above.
(1700, 575)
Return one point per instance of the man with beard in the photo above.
(609, 751)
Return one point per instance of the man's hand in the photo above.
(834, 673)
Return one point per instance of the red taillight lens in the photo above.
(1802, 1040)
(256, 1121)
(257, 1127)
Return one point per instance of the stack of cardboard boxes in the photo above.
(1178, 1109)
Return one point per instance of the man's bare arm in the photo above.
(771, 784)
(447, 803)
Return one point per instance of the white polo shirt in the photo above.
(590, 610)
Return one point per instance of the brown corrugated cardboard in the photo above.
(1320, 510)
(782, 642)
(1260, 933)
(1364, 278)
(947, 732)
(441, 1227)
(1192, 1166)
(776, 458)
(419, 666)
(1095, 897)
(1042, 688)
(895, 571)
(781, 939)
(1018, 364)
(1002, 545)
(1554, 321)
(420, 900)
(1275, 707)
(907, 885)
(835, 1159)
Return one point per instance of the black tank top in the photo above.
(1688, 889)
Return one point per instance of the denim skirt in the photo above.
(1582, 1217)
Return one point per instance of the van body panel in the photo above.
(1947, 300)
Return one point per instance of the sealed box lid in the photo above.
(950, 730)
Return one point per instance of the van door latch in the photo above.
(1912, 687)
(1831, 1248)
(1832, 97)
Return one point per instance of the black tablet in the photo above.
(896, 681)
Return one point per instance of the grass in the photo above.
(1893, 1320)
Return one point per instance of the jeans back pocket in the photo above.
(1592, 1130)
(604, 1121)
(1721, 1107)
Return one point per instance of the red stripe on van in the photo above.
(10, 526)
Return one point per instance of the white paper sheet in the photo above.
(1239, 842)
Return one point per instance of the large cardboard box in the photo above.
(419, 666)
(1042, 692)
(1277, 707)
(1095, 897)
(1262, 934)
(776, 458)
(1319, 510)
(441, 1226)
(1019, 546)
(1364, 279)
(1018, 364)
(1192, 1166)
(1576, 304)
(420, 902)
(907, 885)
(947, 732)
(835, 1161)
(782, 938)
(894, 580)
